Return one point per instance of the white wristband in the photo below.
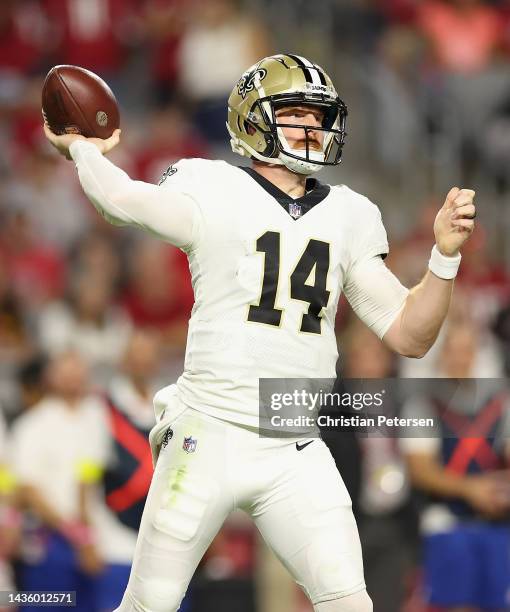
(443, 266)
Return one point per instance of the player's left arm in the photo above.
(418, 323)
(409, 321)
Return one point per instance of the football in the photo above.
(77, 101)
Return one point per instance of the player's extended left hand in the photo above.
(64, 141)
(455, 221)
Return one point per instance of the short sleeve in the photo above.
(371, 240)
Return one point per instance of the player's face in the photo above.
(311, 116)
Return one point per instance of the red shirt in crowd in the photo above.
(91, 33)
(463, 38)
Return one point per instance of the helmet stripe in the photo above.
(321, 76)
(302, 65)
(312, 72)
(317, 71)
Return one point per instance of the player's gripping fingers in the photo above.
(106, 144)
(464, 225)
(468, 211)
(465, 196)
(111, 142)
(450, 198)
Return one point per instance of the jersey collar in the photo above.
(316, 192)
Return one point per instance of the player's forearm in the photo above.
(102, 182)
(423, 314)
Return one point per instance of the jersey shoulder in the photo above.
(199, 165)
(191, 174)
(356, 203)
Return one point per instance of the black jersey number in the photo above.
(315, 259)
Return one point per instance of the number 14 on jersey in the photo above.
(315, 255)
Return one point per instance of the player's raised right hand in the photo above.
(64, 141)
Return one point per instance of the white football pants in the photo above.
(296, 498)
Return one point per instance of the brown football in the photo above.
(77, 101)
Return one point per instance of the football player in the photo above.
(270, 251)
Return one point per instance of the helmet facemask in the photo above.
(309, 159)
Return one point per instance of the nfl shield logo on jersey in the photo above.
(189, 445)
(294, 210)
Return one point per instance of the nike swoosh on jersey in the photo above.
(300, 447)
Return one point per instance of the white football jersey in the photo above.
(267, 272)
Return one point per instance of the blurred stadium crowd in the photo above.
(93, 318)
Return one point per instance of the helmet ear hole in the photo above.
(249, 129)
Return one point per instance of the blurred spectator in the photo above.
(169, 138)
(164, 22)
(20, 125)
(45, 191)
(94, 34)
(502, 331)
(97, 257)
(495, 144)
(127, 467)
(358, 25)
(15, 344)
(23, 37)
(464, 80)
(463, 34)
(397, 124)
(88, 323)
(130, 419)
(400, 11)
(220, 43)
(483, 279)
(32, 383)
(9, 517)
(459, 465)
(159, 293)
(53, 448)
(36, 270)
